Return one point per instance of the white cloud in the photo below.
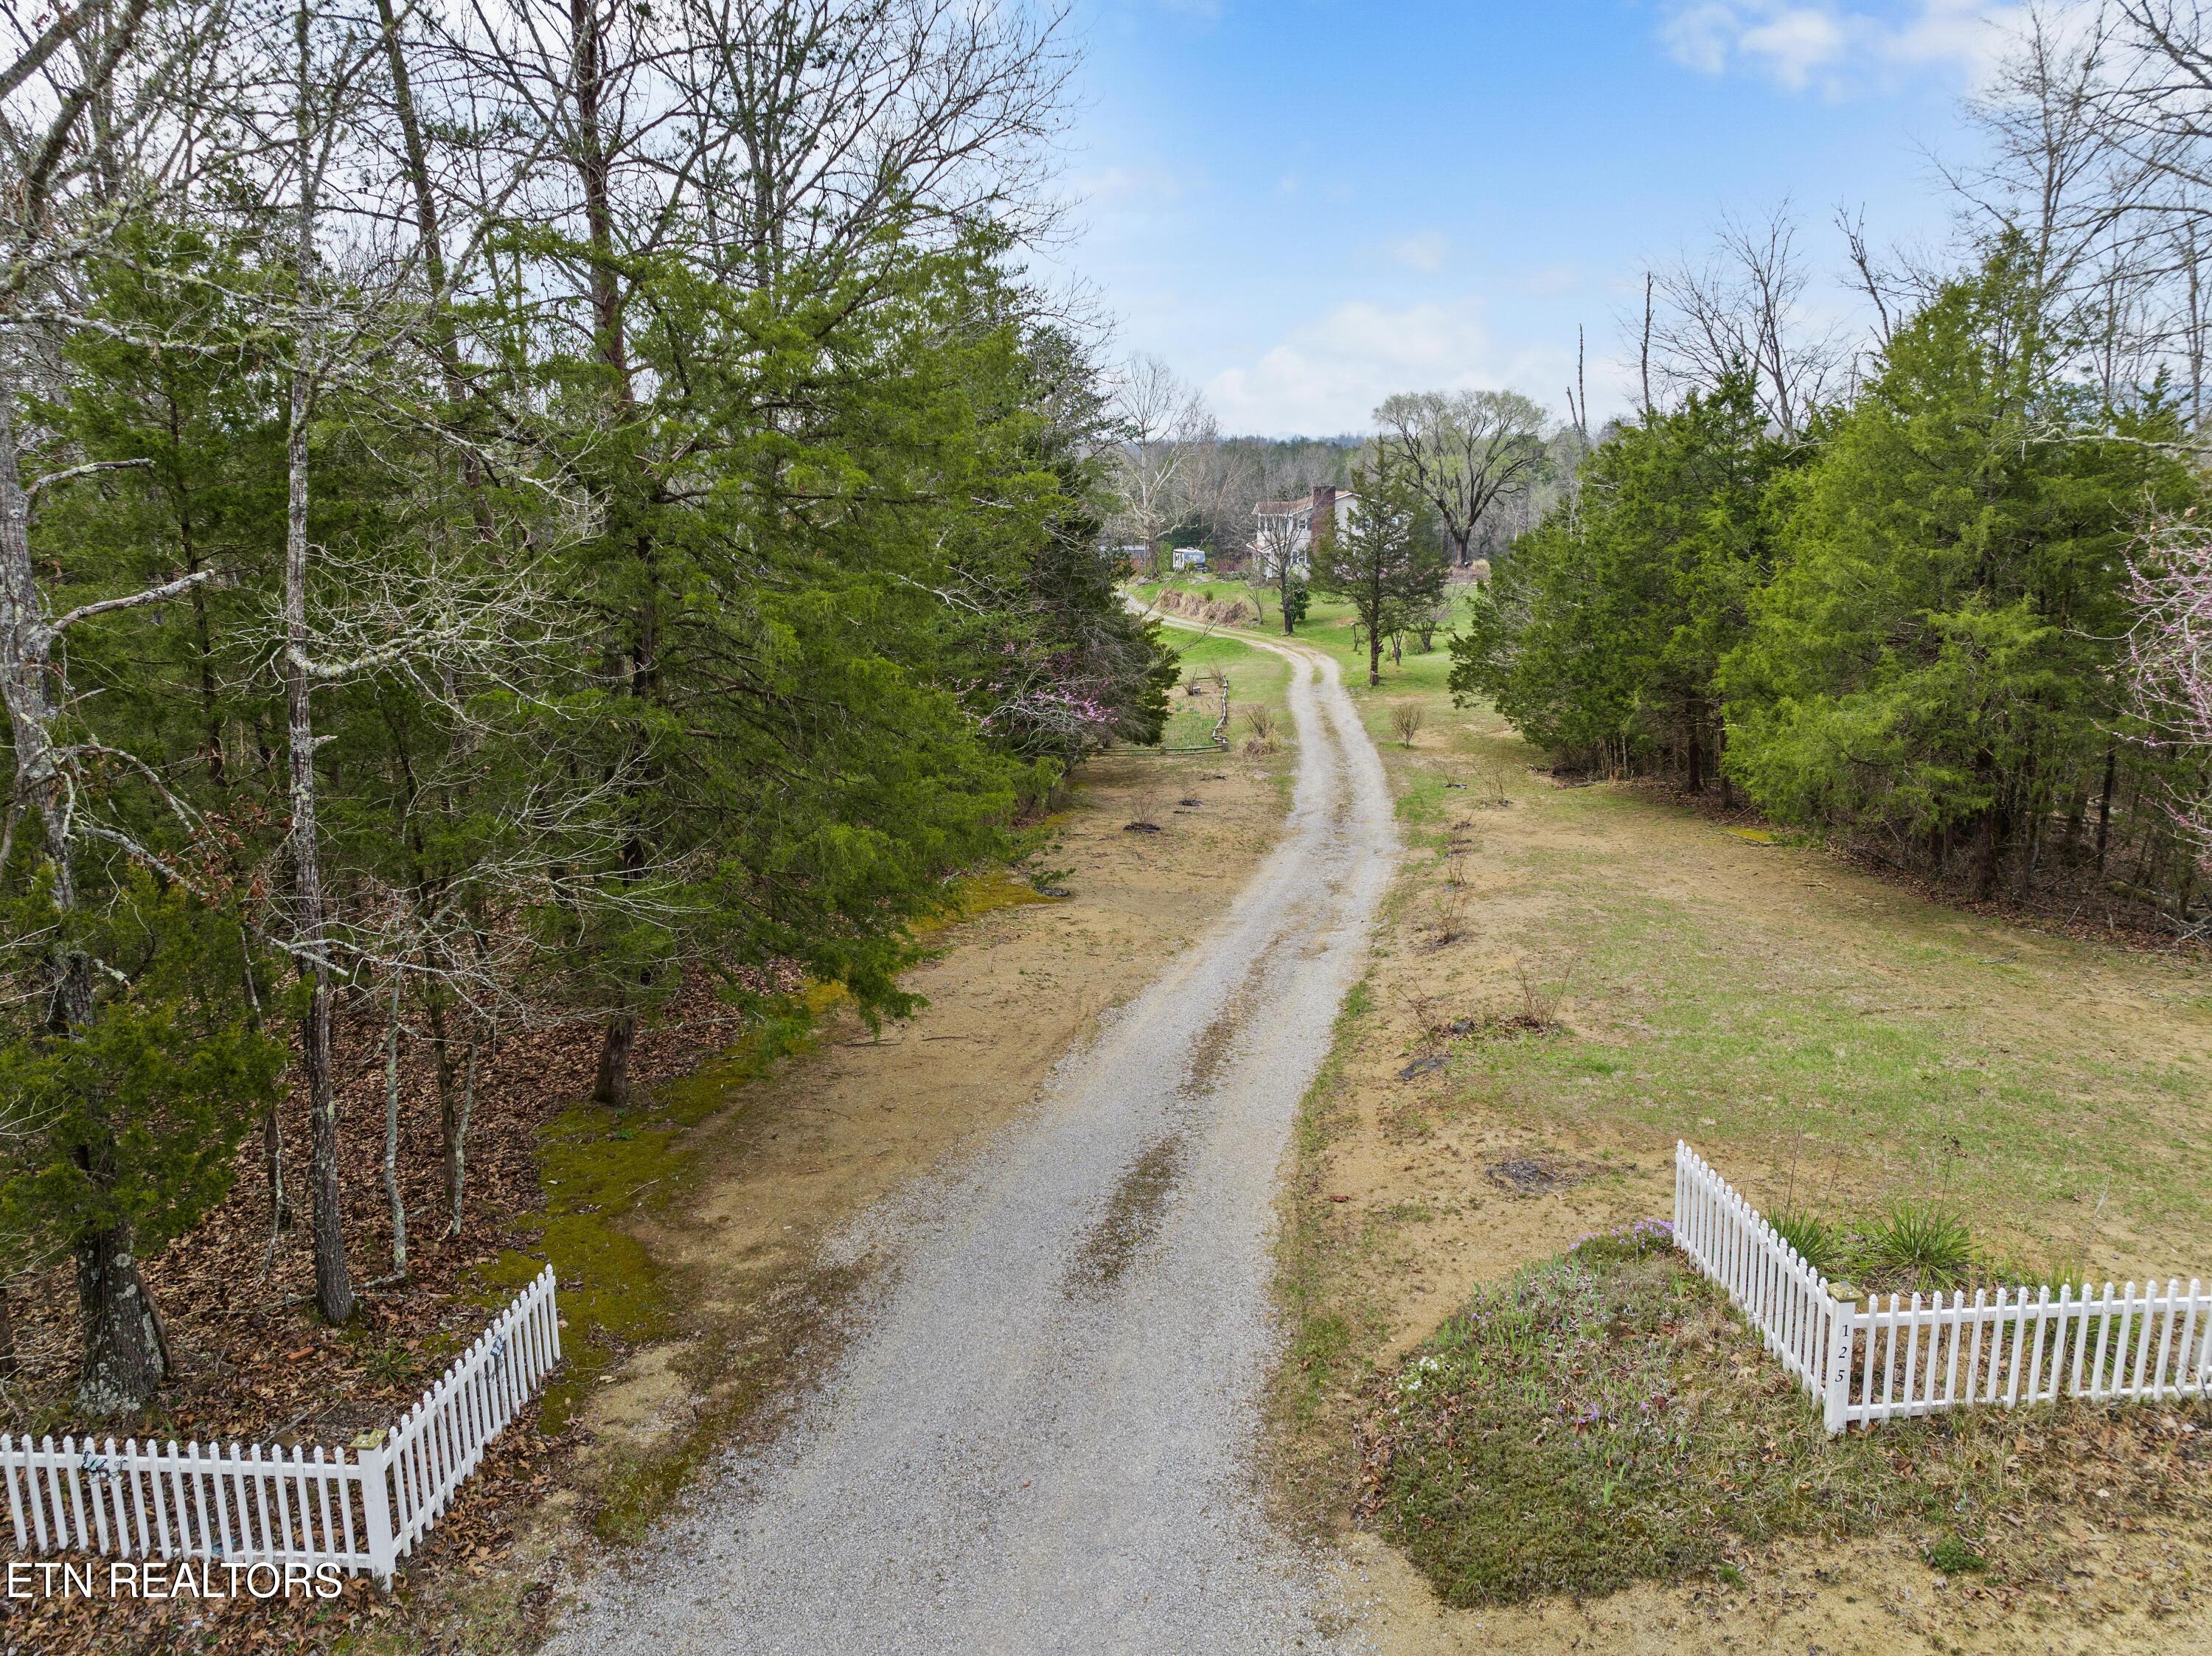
(1424, 253)
(1836, 46)
(1326, 375)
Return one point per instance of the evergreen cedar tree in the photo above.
(1388, 562)
(1908, 625)
(838, 615)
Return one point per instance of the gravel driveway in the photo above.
(1042, 1438)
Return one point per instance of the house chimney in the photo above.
(1322, 523)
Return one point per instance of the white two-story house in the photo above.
(1285, 529)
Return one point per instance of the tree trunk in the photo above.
(613, 1086)
(123, 1346)
(1988, 852)
(26, 677)
(593, 172)
(333, 1285)
(272, 1161)
(1373, 658)
(2105, 802)
(272, 1126)
(428, 235)
(455, 1123)
(397, 1202)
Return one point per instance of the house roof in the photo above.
(1303, 503)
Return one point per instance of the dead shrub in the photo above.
(1540, 1007)
(1406, 719)
(1447, 915)
(1147, 819)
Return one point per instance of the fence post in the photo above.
(1836, 1389)
(376, 1508)
(1681, 1185)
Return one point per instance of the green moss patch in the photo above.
(1601, 1419)
(740, 1373)
(600, 1169)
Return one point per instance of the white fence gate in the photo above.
(1939, 1351)
(254, 1506)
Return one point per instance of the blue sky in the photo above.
(1303, 205)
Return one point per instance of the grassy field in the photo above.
(1255, 676)
(1570, 978)
(1329, 626)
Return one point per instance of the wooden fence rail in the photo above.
(252, 1505)
(1918, 1355)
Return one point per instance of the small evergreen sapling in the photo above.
(128, 1123)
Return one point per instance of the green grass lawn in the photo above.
(1786, 1013)
(1818, 1027)
(1255, 676)
(1329, 626)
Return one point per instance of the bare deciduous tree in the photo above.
(1160, 421)
(1465, 451)
(1743, 309)
(95, 129)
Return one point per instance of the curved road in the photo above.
(1042, 1438)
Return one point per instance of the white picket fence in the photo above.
(1918, 1356)
(252, 1505)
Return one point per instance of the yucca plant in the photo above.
(1818, 1243)
(1927, 1246)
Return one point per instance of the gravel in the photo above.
(1041, 1435)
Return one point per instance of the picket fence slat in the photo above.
(1934, 1352)
(361, 1512)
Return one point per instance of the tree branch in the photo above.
(137, 600)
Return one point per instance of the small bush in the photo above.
(1925, 1247)
(1820, 1244)
(1955, 1557)
(1406, 719)
(1448, 914)
(1540, 1007)
(1259, 718)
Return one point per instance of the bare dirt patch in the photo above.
(1536, 1175)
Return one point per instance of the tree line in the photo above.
(504, 512)
(1937, 590)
